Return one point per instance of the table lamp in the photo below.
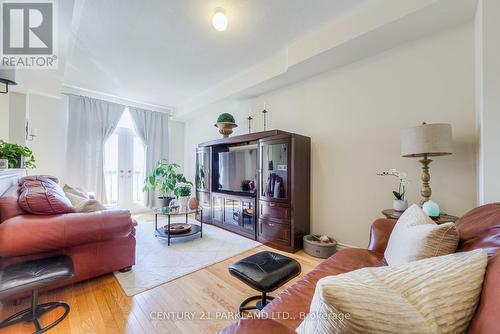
(424, 141)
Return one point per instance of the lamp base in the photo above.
(426, 191)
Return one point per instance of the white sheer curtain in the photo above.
(90, 123)
(152, 128)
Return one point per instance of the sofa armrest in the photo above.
(379, 234)
(29, 234)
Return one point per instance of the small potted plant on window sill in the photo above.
(18, 156)
(399, 203)
(226, 124)
(164, 179)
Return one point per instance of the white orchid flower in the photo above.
(403, 181)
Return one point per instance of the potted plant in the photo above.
(18, 156)
(399, 203)
(226, 124)
(183, 192)
(164, 178)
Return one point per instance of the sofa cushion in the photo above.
(296, 299)
(415, 236)
(77, 192)
(253, 326)
(37, 183)
(480, 228)
(35, 234)
(81, 201)
(37, 178)
(434, 295)
(43, 197)
(9, 207)
(89, 205)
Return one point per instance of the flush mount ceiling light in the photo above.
(7, 77)
(219, 20)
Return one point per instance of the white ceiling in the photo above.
(165, 52)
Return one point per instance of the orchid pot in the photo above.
(400, 205)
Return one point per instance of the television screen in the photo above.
(238, 169)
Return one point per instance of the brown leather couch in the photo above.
(480, 228)
(97, 242)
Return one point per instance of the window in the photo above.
(125, 165)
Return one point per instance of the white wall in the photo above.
(48, 114)
(17, 118)
(487, 25)
(354, 116)
(176, 147)
(4, 116)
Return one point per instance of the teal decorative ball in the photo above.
(225, 118)
(431, 209)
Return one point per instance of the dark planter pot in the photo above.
(164, 201)
(20, 162)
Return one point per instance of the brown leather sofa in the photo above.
(480, 228)
(97, 242)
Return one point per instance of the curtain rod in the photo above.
(75, 91)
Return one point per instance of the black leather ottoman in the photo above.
(265, 272)
(31, 276)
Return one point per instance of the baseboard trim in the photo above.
(342, 245)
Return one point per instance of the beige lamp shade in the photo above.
(426, 139)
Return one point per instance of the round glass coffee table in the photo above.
(161, 232)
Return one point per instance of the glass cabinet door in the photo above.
(274, 167)
(202, 170)
(247, 215)
(217, 209)
(204, 203)
(232, 212)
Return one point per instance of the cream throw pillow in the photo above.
(435, 295)
(81, 202)
(76, 192)
(415, 236)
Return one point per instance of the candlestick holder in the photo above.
(264, 112)
(249, 123)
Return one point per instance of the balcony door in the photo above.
(125, 167)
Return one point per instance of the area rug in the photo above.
(157, 263)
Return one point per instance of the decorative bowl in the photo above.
(177, 228)
(225, 128)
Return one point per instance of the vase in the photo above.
(225, 128)
(163, 202)
(4, 163)
(193, 203)
(182, 201)
(400, 205)
(20, 161)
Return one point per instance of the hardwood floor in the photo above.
(202, 302)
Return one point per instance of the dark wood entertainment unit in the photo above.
(280, 190)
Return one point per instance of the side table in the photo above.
(443, 217)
